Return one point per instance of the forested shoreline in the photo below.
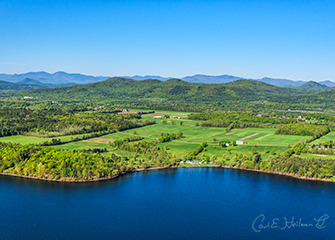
(20, 161)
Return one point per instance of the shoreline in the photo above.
(159, 168)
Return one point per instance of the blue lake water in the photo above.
(184, 203)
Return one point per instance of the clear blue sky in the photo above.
(282, 39)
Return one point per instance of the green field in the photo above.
(309, 155)
(32, 140)
(325, 138)
(193, 136)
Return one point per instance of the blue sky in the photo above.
(281, 39)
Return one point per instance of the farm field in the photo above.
(325, 138)
(309, 155)
(182, 150)
(193, 136)
(33, 140)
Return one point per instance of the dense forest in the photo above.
(316, 131)
(240, 120)
(117, 88)
(179, 95)
(53, 164)
(281, 163)
(53, 123)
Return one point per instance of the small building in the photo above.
(54, 102)
(239, 142)
(27, 97)
(157, 117)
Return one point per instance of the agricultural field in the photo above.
(262, 139)
(309, 155)
(193, 136)
(21, 139)
(325, 138)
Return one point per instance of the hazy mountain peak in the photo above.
(30, 81)
(314, 86)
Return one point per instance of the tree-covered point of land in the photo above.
(54, 164)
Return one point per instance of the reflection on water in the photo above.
(184, 203)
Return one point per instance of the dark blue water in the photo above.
(186, 203)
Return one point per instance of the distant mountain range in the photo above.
(38, 78)
(199, 78)
(29, 84)
(229, 78)
(55, 78)
(173, 89)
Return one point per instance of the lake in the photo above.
(184, 203)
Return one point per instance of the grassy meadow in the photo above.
(193, 136)
(21, 139)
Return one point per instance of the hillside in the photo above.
(314, 86)
(211, 79)
(324, 99)
(29, 84)
(63, 77)
(7, 86)
(30, 81)
(173, 89)
(281, 82)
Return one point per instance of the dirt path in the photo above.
(249, 136)
(231, 133)
(99, 140)
(320, 155)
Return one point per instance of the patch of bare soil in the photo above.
(99, 140)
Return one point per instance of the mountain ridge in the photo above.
(61, 77)
(172, 89)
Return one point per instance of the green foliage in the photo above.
(117, 143)
(122, 88)
(199, 149)
(54, 164)
(223, 143)
(166, 137)
(55, 123)
(232, 120)
(314, 86)
(316, 131)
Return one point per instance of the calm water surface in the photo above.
(184, 203)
